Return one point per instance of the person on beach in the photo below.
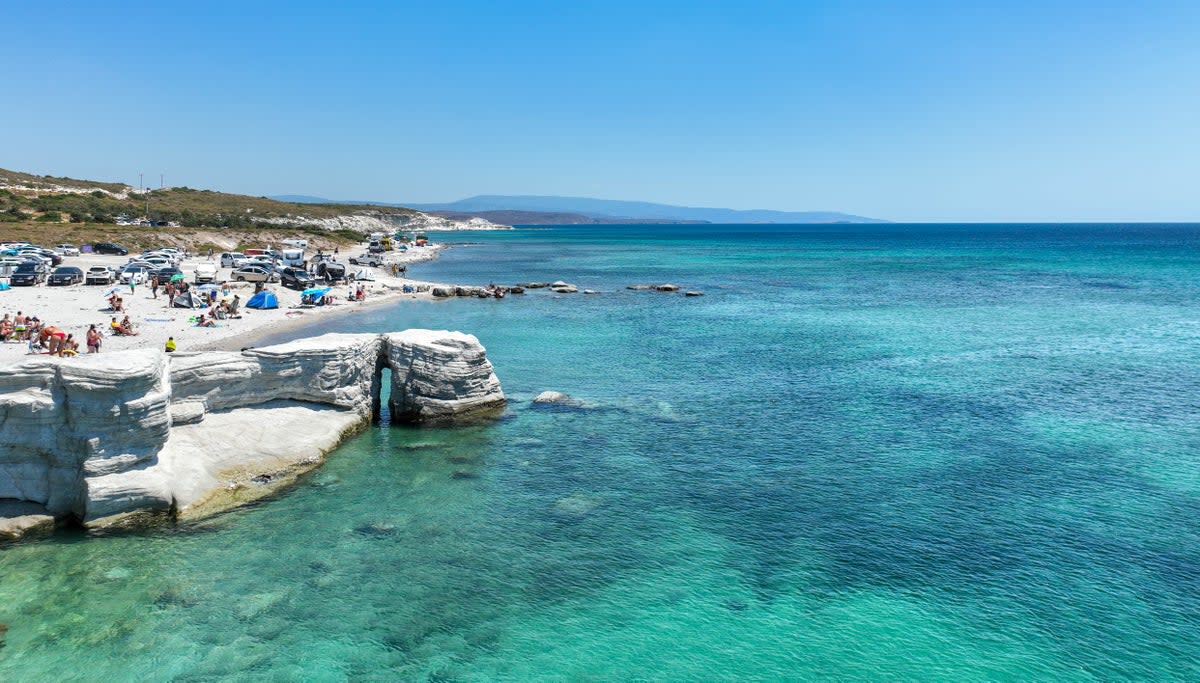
(19, 326)
(154, 287)
(127, 327)
(93, 339)
(5, 328)
(202, 322)
(210, 253)
(132, 285)
(170, 290)
(70, 347)
(51, 338)
(170, 345)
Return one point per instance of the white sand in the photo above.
(74, 308)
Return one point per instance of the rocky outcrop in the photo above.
(440, 376)
(135, 436)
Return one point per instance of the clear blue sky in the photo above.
(925, 111)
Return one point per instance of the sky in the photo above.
(908, 111)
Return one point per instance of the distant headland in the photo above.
(547, 210)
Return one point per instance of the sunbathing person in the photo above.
(69, 347)
(201, 322)
(127, 327)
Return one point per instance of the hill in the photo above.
(48, 200)
(623, 211)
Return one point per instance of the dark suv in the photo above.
(28, 274)
(109, 248)
(295, 278)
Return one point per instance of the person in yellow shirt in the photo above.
(170, 344)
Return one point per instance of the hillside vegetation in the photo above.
(49, 199)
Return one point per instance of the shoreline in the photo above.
(74, 308)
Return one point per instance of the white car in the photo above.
(254, 273)
(134, 273)
(158, 261)
(233, 259)
(99, 275)
(67, 249)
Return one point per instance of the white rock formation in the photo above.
(131, 436)
(437, 376)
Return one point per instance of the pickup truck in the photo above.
(373, 260)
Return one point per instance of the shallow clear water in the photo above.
(902, 452)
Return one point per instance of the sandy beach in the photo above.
(76, 307)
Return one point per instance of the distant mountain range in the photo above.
(541, 210)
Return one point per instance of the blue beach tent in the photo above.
(263, 299)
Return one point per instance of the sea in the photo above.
(866, 453)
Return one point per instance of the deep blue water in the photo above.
(868, 452)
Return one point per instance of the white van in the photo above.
(296, 244)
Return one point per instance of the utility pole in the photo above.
(141, 185)
(160, 180)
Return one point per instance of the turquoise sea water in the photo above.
(867, 453)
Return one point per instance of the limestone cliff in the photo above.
(137, 435)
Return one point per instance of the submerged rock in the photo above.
(693, 292)
(640, 288)
(578, 504)
(375, 529)
(463, 474)
(536, 285)
(667, 288)
(556, 398)
(590, 291)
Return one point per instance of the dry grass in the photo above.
(139, 238)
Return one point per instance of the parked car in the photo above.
(109, 248)
(331, 271)
(232, 259)
(67, 249)
(373, 260)
(166, 273)
(66, 275)
(295, 278)
(28, 274)
(254, 274)
(99, 275)
(51, 257)
(134, 272)
(205, 272)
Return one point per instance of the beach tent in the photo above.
(4, 286)
(263, 299)
(315, 292)
(188, 300)
(208, 288)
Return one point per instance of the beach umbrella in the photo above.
(315, 291)
(208, 288)
(114, 290)
(177, 277)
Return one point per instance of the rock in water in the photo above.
(667, 288)
(640, 288)
(693, 292)
(556, 398)
(104, 456)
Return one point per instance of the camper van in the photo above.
(293, 257)
(296, 244)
